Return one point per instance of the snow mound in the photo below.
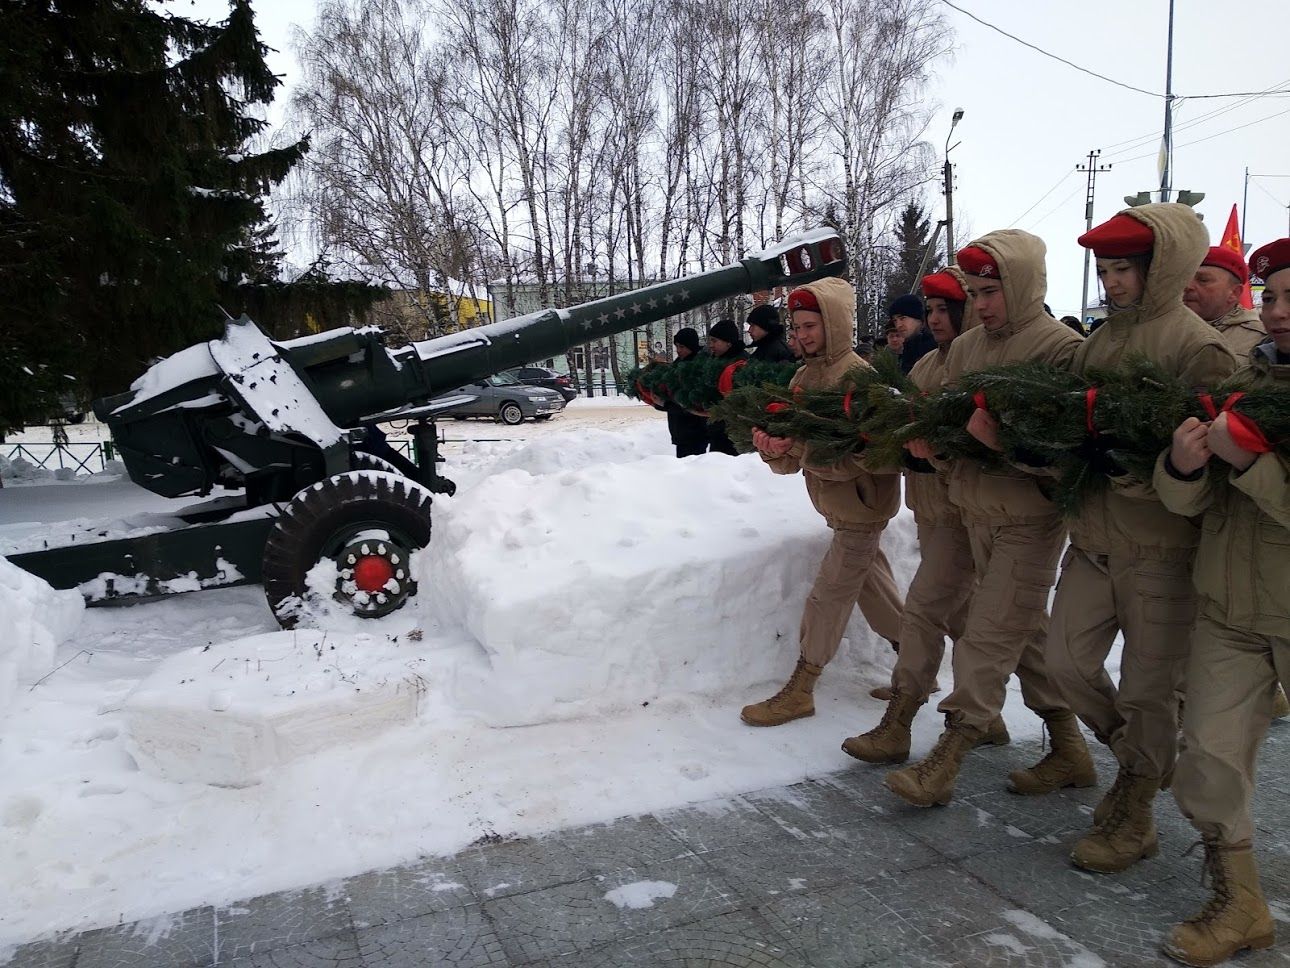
(575, 449)
(36, 619)
(612, 586)
(225, 714)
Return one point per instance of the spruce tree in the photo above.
(912, 238)
(130, 195)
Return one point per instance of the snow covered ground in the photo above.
(593, 613)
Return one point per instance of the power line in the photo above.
(1131, 144)
(1043, 218)
(1092, 73)
(1056, 186)
(1211, 137)
(1040, 50)
(1270, 195)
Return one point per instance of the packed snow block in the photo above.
(611, 586)
(226, 714)
(34, 620)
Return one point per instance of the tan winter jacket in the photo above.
(1128, 518)
(848, 495)
(927, 493)
(992, 495)
(1241, 330)
(1242, 569)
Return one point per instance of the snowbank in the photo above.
(606, 588)
(35, 620)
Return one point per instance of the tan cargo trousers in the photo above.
(1231, 680)
(1007, 621)
(854, 572)
(936, 605)
(1154, 602)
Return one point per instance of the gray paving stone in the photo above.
(840, 927)
(382, 897)
(959, 829)
(179, 940)
(520, 866)
(338, 951)
(738, 940)
(1124, 931)
(1046, 816)
(627, 843)
(869, 848)
(460, 937)
(803, 808)
(53, 953)
(714, 824)
(278, 921)
(1023, 942)
(762, 871)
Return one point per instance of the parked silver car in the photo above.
(504, 398)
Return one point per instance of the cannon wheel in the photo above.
(368, 522)
(392, 463)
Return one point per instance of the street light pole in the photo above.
(1167, 146)
(949, 189)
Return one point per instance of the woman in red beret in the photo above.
(1240, 647)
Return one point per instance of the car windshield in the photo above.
(503, 380)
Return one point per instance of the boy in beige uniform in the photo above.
(1241, 643)
(855, 503)
(937, 600)
(1015, 534)
(1129, 565)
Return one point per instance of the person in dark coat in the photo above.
(909, 319)
(724, 343)
(767, 334)
(689, 431)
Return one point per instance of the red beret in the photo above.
(1221, 257)
(1270, 258)
(978, 262)
(803, 299)
(942, 285)
(1119, 236)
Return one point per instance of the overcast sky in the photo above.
(1030, 120)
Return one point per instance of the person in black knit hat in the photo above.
(910, 320)
(724, 343)
(689, 431)
(767, 335)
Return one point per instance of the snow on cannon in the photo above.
(288, 427)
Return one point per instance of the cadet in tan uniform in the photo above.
(1241, 642)
(936, 603)
(1214, 294)
(855, 503)
(1015, 534)
(1129, 564)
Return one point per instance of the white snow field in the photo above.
(593, 613)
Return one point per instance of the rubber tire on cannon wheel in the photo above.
(510, 414)
(325, 512)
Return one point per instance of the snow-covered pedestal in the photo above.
(226, 713)
(34, 620)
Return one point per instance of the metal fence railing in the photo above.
(83, 457)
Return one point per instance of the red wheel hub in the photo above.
(372, 573)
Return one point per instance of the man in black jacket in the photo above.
(767, 334)
(909, 319)
(688, 430)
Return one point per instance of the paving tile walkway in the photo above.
(832, 872)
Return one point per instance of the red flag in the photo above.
(1232, 240)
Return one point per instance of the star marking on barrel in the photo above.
(604, 318)
(620, 313)
(685, 294)
(667, 300)
(653, 303)
(636, 308)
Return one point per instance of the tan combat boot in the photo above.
(930, 782)
(1235, 918)
(795, 701)
(1107, 803)
(888, 742)
(1067, 763)
(996, 734)
(1127, 835)
(1280, 704)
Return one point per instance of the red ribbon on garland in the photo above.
(646, 395)
(979, 399)
(1245, 432)
(776, 407)
(846, 404)
(1090, 398)
(726, 382)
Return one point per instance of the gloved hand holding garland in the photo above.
(1085, 431)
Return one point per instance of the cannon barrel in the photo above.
(275, 417)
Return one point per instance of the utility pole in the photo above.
(950, 251)
(1167, 145)
(1092, 168)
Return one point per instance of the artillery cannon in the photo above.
(287, 426)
